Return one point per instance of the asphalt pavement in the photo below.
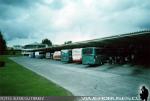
(82, 80)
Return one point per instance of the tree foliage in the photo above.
(47, 42)
(67, 42)
(2, 44)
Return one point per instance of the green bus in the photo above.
(66, 55)
(93, 56)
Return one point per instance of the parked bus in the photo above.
(93, 56)
(32, 55)
(66, 55)
(77, 55)
(48, 55)
(57, 55)
(25, 53)
(39, 54)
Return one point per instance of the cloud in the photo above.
(22, 3)
(62, 20)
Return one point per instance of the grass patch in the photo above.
(16, 80)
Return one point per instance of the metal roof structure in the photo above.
(123, 40)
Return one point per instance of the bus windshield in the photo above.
(88, 51)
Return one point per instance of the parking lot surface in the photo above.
(82, 80)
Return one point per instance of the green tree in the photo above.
(67, 42)
(2, 44)
(47, 42)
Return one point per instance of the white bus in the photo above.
(77, 55)
(48, 55)
(25, 53)
(39, 54)
(57, 55)
(32, 55)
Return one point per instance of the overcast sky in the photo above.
(29, 21)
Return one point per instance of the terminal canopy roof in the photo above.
(134, 39)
